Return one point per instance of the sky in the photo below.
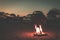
(24, 7)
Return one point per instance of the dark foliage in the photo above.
(11, 22)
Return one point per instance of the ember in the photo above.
(39, 31)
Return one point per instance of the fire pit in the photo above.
(40, 35)
(39, 32)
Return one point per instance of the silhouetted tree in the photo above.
(38, 17)
(12, 15)
(53, 14)
(2, 13)
(53, 19)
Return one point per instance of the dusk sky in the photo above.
(24, 7)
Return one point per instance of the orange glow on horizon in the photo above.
(21, 12)
(16, 11)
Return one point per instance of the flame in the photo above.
(39, 29)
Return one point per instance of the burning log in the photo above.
(39, 31)
(40, 35)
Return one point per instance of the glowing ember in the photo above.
(39, 30)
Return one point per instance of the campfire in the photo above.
(38, 34)
(39, 31)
